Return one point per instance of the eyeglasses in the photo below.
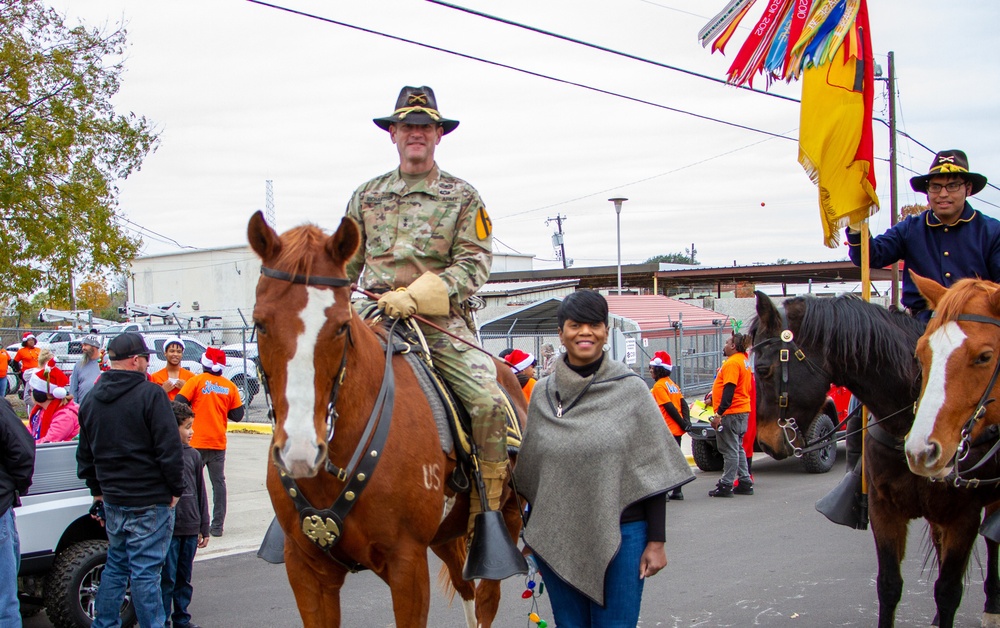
(954, 186)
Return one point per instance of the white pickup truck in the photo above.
(63, 550)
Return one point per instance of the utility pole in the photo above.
(893, 204)
(557, 238)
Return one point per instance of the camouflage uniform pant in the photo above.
(473, 378)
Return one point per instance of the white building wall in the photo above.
(221, 281)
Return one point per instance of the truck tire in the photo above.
(71, 586)
(248, 392)
(706, 455)
(821, 460)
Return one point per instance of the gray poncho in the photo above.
(609, 449)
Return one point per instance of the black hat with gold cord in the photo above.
(417, 105)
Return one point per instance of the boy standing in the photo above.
(190, 527)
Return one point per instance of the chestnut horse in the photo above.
(798, 352)
(959, 354)
(323, 366)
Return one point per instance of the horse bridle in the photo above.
(789, 426)
(338, 380)
(965, 443)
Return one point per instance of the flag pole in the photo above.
(866, 294)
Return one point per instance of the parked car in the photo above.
(63, 550)
(240, 371)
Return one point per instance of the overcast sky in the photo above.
(242, 93)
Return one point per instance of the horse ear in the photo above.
(344, 243)
(995, 301)
(263, 239)
(767, 313)
(929, 289)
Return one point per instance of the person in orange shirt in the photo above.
(27, 356)
(670, 400)
(731, 397)
(215, 401)
(173, 376)
(4, 360)
(523, 365)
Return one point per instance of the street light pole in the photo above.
(618, 219)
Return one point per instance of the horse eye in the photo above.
(985, 357)
(260, 327)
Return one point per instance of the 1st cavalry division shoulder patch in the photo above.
(484, 226)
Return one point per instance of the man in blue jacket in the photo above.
(131, 459)
(948, 242)
(17, 464)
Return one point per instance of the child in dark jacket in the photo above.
(191, 525)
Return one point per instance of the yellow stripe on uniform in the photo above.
(484, 226)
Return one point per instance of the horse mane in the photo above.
(955, 300)
(299, 247)
(855, 335)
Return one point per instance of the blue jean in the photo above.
(176, 579)
(215, 462)
(138, 540)
(730, 443)
(622, 588)
(10, 562)
(3, 386)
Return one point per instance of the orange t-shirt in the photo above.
(4, 360)
(528, 387)
(160, 378)
(211, 397)
(665, 390)
(735, 370)
(28, 357)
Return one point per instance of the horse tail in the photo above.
(446, 580)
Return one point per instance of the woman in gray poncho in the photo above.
(595, 464)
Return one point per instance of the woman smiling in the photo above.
(595, 464)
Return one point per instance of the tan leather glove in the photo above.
(398, 304)
(430, 294)
(855, 227)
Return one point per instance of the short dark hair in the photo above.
(659, 372)
(583, 306)
(182, 412)
(740, 342)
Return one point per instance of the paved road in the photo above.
(766, 560)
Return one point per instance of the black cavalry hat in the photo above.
(951, 161)
(417, 105)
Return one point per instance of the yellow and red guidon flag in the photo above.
(828, 44)
(835, 131)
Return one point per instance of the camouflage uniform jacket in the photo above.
(432, 226)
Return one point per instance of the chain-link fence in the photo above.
(696, 352)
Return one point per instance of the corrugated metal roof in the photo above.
(656, 312)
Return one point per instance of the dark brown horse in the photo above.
(323, 368)
(798, 352)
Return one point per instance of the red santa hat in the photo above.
(519, 360)
(26, 337)
(214, 359)
(50, 380)
(662, 359)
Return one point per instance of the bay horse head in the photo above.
(302, 314)
(790, 386)
(959, 354)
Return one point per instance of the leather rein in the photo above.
(324, 527)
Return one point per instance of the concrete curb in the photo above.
(249, 428)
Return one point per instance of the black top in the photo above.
(130, 449)
(191, 514)
(17, 457)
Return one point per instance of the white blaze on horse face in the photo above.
(942, 343)
(300, 389)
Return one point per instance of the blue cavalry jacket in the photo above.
(944, 253)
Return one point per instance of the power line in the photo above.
(515, 68)
(151, 232)
(619, 53)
